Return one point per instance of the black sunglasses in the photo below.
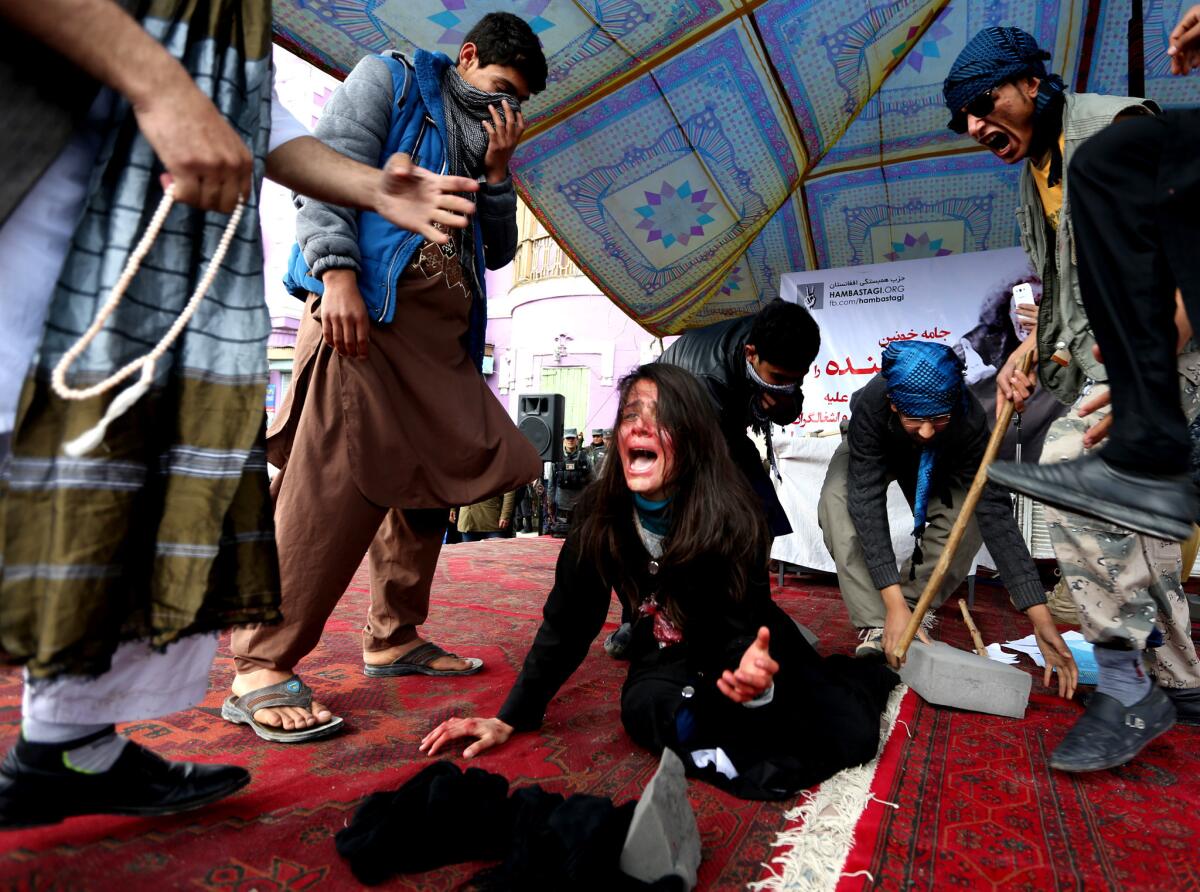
(980, 107)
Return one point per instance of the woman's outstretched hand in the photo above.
(754, 674)
(491, 732)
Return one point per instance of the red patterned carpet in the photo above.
(979, 806)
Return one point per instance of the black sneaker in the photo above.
(1109, 734)
(139, 783)
(616, 645)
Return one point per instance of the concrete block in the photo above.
(663, 838)
(947, 676)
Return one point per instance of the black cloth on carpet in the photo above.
(444, 815)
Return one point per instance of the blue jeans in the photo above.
(478, 536)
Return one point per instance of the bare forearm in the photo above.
(893, 597)
(102, 39)
(308, 166)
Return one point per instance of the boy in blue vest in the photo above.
(388, 422)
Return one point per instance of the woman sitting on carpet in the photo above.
(718, 673)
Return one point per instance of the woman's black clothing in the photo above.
(824, 715)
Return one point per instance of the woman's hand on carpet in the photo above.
(754, 674)
(491, 732)
(1054, 649)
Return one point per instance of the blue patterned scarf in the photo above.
(924, 380)
(990, 58)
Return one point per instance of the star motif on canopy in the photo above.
(675, 214)
(920, 246)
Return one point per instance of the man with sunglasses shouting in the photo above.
(918, 424)
(1126, 586)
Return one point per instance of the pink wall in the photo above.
(527, 325)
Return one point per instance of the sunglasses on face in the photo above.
(979, 107)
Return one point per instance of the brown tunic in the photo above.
(422, 429)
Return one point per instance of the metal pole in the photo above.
(1137, 52)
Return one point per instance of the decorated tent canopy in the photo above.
(686, 153)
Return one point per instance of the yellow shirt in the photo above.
(1052, 196)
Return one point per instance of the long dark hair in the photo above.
(716, 519)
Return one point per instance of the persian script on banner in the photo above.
(961, 300)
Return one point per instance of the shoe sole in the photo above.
(393, 670)
(1115, 761)
(1118, 515)
(139, 811)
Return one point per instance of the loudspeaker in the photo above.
(540, 419)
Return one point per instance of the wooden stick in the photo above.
(960, 527)
(972, 628)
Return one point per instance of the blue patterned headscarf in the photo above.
(992, 56)
(923, 379)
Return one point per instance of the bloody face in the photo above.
(647, 454)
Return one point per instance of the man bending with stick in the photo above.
(917, 424)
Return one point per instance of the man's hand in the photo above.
(453, 515)
(754, 674)
(1054, 649)
(1027, 316)
(206, 160)
(503, 136)
(896, 621)
(344, 320)
(1012, 383)
(1101, 429)
(414, 198)
(204, 157)
(491, 732)
(1184, 43)
(504, 523)
(408, 196)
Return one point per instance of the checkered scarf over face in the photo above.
(466, 107)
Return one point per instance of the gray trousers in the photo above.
(863, 600)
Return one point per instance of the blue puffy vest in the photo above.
(417, 128)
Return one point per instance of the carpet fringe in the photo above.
(818, 848)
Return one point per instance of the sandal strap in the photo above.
(425, 654)
(290, 692)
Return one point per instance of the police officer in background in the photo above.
(570, 475)
(595, 452)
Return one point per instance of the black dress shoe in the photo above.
(139, 783)
(1187, 704)
(1109, 734)
(1159, 506)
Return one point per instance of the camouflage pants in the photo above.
(1124, 584)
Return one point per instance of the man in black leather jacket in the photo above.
(753, 368)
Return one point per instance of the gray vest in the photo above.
(1062, 322)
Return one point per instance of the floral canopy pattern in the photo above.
(686, 153)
